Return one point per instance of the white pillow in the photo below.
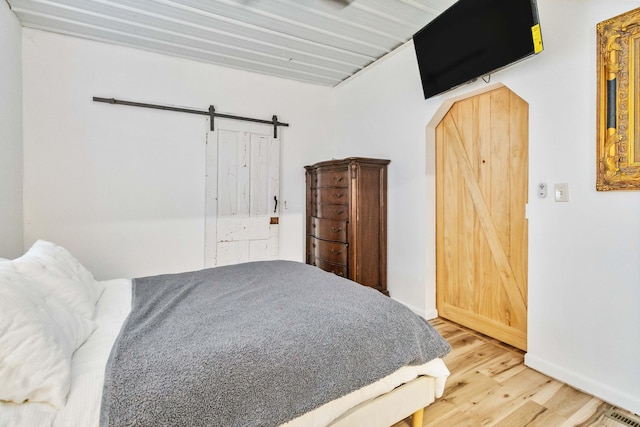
(59, 274)
(38, 335)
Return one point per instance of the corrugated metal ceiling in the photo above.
(316, 41)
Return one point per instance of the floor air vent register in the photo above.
(622, 418)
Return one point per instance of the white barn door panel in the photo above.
(242, 199)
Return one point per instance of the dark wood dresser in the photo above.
(347, 219)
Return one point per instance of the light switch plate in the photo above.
(562, 192)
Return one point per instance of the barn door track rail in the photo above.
(211, 112)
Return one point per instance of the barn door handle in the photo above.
(275, 206)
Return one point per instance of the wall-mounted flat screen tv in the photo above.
(474, 38)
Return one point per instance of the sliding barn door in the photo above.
(242, 193)
(481, 228)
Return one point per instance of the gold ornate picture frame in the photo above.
(618, 102)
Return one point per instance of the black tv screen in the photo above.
(474, 38)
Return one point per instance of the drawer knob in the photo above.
(337, 178)
(335, 229)
(337, 212)
(336, 251)
(339, 273)
(338, 195)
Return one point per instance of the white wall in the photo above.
(584, 256)
(123, 187)
(10, 134)
(382, 113)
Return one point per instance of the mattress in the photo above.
(88, 363)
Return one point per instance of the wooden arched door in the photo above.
(481, 228)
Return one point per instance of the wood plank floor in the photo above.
(490, 386)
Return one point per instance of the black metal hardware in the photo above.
(211, 112)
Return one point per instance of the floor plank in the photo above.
(490, 386)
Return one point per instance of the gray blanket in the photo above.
(254, 344)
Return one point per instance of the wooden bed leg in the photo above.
(417, 417)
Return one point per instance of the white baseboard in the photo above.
(427, 314)
(576, 380)
(430, 314)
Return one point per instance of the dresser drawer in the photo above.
(337, 269)
(339, 212)
(312, 210)
(328, 229)
(310, 256)
(332, 178)
(334, 252)
(331, 195)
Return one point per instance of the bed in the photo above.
(79, 330)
